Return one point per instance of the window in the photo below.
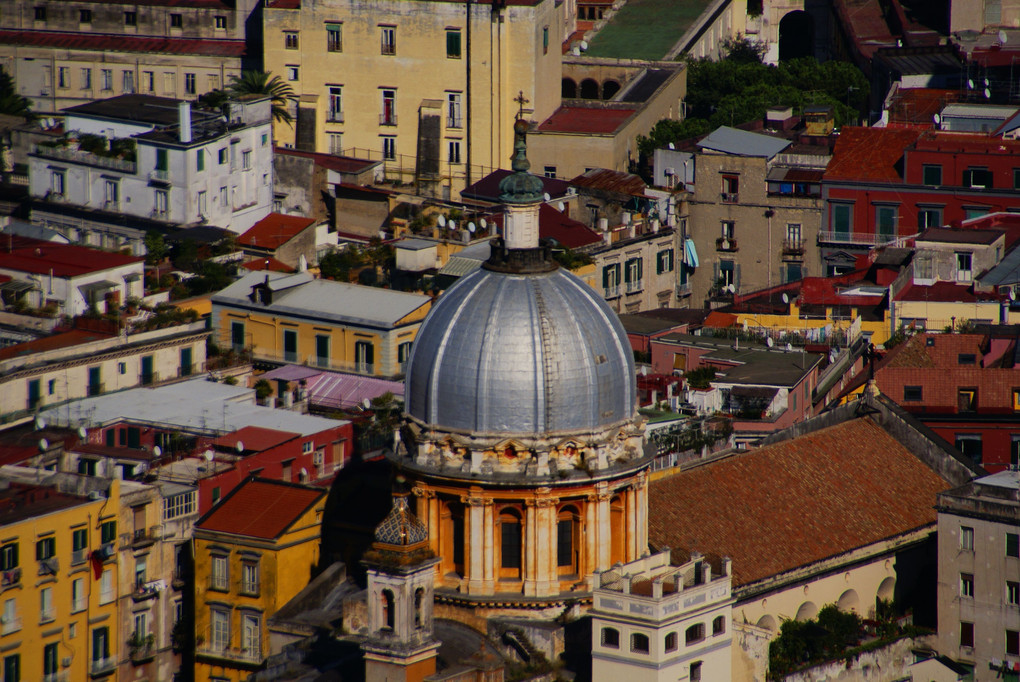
(176, 20)
(1013, 642)
(334, 38)
(219, 576)
(84, 16)
(220, 627)
(86, 466)
(639, 643)
(57, 180)
(290, 40)
(545, 40)
(9, 556)
(111, 194)
(149, 81)
(453, 102)
(100, 648)
(86, 79)
(670, 643)
(633, 274)
(730, 188)
(46, 610)
(181, 504)
(510, 542)
(403, 354)
(251, 635)
(842, 215)
(966, 358)
(695, 675)
(1012, 593)
(40, 15)
(34, 393)
(611, 280)
(453, 153)
(108, 532)
(913, 392)
(929, 217)
(64, 77)
(79, 598)
(292, 72)
(793, 233)
(322, 350)
(12, 663)
(966, 584)
(963, 266)
(106, 79)
(246, 160)
(727, 274)
(388, 117)
(50, 666)
(611, 638)
(970, 445)
(885, 222)
(719, 625)
(453, 43)
(106, 594)
(977, 177)
(161, 203)
(45, 548)
(336, 104)
(550, 172)
(1012, 545)
(664, 261)
(336, 143)
(389, 148)
(694, 634)
(221, 156)
(220, 23)
(565, 524)
(931, 175)
(966, 399)
(249, 577)
(388, 37)
(966, 539)
(189, 83)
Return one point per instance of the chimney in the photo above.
(184, 118)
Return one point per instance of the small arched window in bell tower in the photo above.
(419, 606)
(386, 604)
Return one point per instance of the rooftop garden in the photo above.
(646, 29)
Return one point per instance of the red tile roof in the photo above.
(946, 292)
(559, 226)
(260, 508)
(123, 43)
(74, 337)
(918, 106)
(40, 257)
(797, 502)
(611, 181)
(944, 354)
(267, 264)
(569, 119)
(869, 154)
(275, 230)
(340, 164)
(255, 438)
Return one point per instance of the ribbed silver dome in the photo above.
(525, 354)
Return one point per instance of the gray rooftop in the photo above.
(743, 143)
(412, 244)
(1006, 271)
(759, 366)
(302, 296)
(197, 405)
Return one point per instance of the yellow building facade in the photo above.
(371, 79)
(58, 575)
(253, 552)
(795, 321)
(321, 323)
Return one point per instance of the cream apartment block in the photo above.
(432, 88)
(66, 53)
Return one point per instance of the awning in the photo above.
(17, 286)
(691, 254)
(97, 287)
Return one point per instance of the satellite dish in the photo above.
(451, 225)
(157, 451)
(44, 445)
(988, 93)
(576, 52)
(731, 288)
(546, 196)
(745, 325)
(141, 468)
(970, 83)
(366, 403)
(82, 433)
(786, 297)
(1012, 294)
(239, 446)
(672, 146)
(1003, 37)
(441, 220)
(561, 207)
(484, 223)
(789, 347)
(938, 119)
(207, 455)
(584, 44)
(40, 423)
(471, 228)
(769, 342)
(833, 355)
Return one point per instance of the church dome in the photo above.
(521, 353)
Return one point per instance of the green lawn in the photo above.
(646, 29)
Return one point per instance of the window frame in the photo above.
(387, 40)
(334, 29)
(454, 44)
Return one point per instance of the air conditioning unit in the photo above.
(65, 662)
(96, 495)
(4, 619)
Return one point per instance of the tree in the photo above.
(155, 247)
(262, 83)
(743, 49)
(10, 101)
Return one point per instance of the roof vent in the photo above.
(930, 341)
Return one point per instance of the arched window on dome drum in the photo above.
(452, 538)
(617, 530)
(568, 540)
(388, 614)
(510, 546)
(419, 606)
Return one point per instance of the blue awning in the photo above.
(691, 253)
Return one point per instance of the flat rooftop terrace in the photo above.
(646, 29)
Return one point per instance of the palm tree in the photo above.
(262, 83)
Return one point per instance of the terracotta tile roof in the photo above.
(797, 502)
(340, 164)
(611, 181)
(40, 257)
(260, 508)
(123, 43)
(267, 264)
(553, 224)
(568, 119)
(943, 354)
(255, 438)
(870, 154)
(275, 230)
(69, 339)
(948, 292)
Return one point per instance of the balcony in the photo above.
(143, 537)
(613, 291)
(862, 238)
(47, 616)
(145, 590)
(793, 247)
(141, 648)
(148, 379)
(387, 119)
(159, 177)
(335, 117)
(111, 205)
(234, 654)
(454, 122)
(634, 286)
(96, 389)
(179, 579)
(726, 244)
(49, 566)
(683, 290)
(86, 158)
(730, 197)
(10, 578)
(78, 605)
(102, 667)
(63, 676)
(9, 624)
(218, 583)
